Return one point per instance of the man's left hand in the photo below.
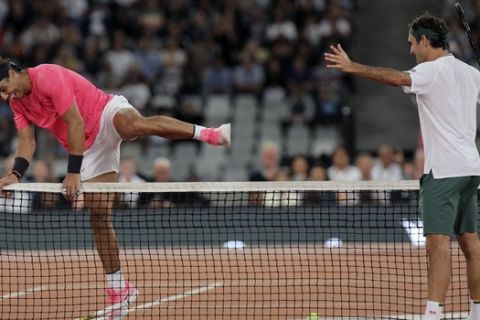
(71, 186)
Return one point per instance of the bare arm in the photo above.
(25, 149)
(26, 143)
(76, 145)
(76, 130)
(339, 59)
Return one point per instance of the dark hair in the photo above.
(5, 66)
(433, 28)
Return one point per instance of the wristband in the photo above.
(16, 174)
(20, 166)
(74, 163)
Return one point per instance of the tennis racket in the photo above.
(468, 31)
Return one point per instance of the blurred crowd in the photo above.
(156, 52)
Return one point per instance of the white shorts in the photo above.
(104, 154)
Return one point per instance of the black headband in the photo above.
(4, 68)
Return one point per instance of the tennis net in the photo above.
(246, 250)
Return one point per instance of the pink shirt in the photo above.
(54, 89)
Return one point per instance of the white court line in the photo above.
(18, 294)
(100, 314)
(177, 296)
(452, 315)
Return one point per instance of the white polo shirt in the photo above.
(447, 93)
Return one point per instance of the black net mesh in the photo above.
(201, 254)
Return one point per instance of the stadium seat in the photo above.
(297, 140)
(325, 140)
(217, 110)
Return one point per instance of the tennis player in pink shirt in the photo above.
(91, 125)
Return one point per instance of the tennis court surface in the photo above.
(322, 248)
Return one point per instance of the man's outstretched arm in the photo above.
(338, 59)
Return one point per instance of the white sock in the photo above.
(196, 131)
(474, 310)
(115, 280)
(433, 311)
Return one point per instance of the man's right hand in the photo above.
(7, 180)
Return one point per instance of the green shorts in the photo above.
(449, 205)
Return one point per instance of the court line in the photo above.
(177, 296)
(100, 314)
(450, 315)
(13, 295)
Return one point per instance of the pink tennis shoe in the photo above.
(119, 301)
(217, 136)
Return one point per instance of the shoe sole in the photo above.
(226, 134)
(123, 309)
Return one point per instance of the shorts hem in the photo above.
(96, 174)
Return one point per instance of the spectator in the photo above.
(274, 81)
(75, 10)
(283, 50)
(148, 59)
(42, 173)
(135, 89)
(173, 59)
(336, 23)
(248, 76)
(281, 27)
(255, 22)
(312, 32)
(162, 172)
(270, 161)
(92, 57)
(299, 169)
(67, 58)
(387, 169)
(97, 26)
(300, 80)
(342, 170)
(364, 163)
(414, 170)
(217, 78)
(318, 198)
(224, 35)
(399, 158)
(270, 166)
(41, 32)
(119, 59)
(128, 174)
(328, 107)
(151, 18)
(317, 173)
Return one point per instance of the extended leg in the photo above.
(130, 124)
